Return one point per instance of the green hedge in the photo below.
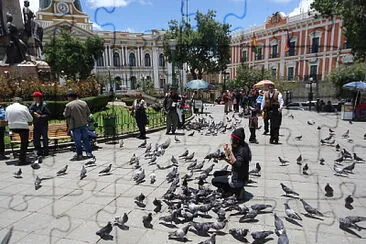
(56, 108)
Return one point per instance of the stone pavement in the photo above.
(68, 210)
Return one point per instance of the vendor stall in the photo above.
(357, 109)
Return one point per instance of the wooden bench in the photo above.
(56, 132)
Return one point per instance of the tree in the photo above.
(345, 74)
(246, 77)
(76, 58)
(205, 48)
(353, 14)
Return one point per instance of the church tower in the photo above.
(63, 12)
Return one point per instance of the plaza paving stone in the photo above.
(68, 210)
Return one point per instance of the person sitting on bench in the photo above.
(238, 157)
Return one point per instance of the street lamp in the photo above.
(110, 80)
(311, 92)
(172, 46)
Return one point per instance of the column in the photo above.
(281, 45)
(155, 66)
(122, 56)
(111, 56)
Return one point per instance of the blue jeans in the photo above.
(81, 138)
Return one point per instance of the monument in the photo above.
(20, 43)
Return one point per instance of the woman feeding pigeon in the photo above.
(238, 157)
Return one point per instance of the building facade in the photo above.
(130, 60)
(298, 48)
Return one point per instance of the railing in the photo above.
(291, 53)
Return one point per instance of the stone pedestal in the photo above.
(26, 71)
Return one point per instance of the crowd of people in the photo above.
(253, 103)
(18, 117)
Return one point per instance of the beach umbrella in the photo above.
(264, 83)
(355, 85)
(197, 85)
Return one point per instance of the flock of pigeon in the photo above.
(190, 200)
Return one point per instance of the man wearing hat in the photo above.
(272, 105)
(170, 106)
(18, 118)
(77, 115)
(40, 114)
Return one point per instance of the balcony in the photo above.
(259, 57)
(274, 55)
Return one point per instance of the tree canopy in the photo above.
(353, 14)
(205, 48)
(71, 55)
(246, 77)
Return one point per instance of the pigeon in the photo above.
(305, 169)
(331, 131)
(83, 173)
(18, 174)
(105, 231)
(310, 122)
(121, 143)
(152, 178)
(278, 223)
(346, 134)
(37, 183)
(348, 202)
(185, 154)
(249, 216)
(169, 218)
(179, 234)
(158, 205)
(174, 160)
(201, 228)
(62, 171)
(191, 134)
(242, 209)
(299, 160)
(166, 144)
(298, 138)
(188, 175)
(143, 145)
(290, 213)
(282, 238)
(140, 198)
(350, 222)
(133, 159)
(148, 148)
(36, 163)
(339, 170)
(7, 237)
(153, 160)
(91, 162)
(219, 225)
(321, 161)
(256, 170)
(176, 139)
(288, 190)
(329, 192)
(139, 176)
(319, 128)
(199, 166)
(189, 157)
(309, 209)
(259, 236)
(260, 207)
(106, 170)
(238, 233)
(146, 220)
(357, 158)
(339, 160)
(211, 240)
(283, 162)
(350, 167)
(192, 165)
(337, 147)
(122, 220)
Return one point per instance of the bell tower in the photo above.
(54, 12)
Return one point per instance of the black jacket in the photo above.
(41, 109)
(169, 101)
(243, 155)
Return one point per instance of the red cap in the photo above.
(37, 94)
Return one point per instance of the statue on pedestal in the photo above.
(33, 32)
(16, 48)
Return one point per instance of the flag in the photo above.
(255, 44)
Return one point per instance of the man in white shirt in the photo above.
(18, 117)
(272, 105)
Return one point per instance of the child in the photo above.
(253, 126)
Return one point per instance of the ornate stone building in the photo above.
(129, 59)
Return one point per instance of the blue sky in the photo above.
(144, 15)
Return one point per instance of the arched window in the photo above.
(100, 61)
(147, 60)
(161, 60)
(133, 82)
(132, 59)
(116, 60)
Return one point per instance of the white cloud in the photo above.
(97, 27)
(129, 29)
(115, 3)
(303, 7)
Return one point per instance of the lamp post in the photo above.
(226, 75)
(172, 46)
(311, 92)
(110, 80)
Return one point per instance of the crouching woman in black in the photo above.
(238, 157)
